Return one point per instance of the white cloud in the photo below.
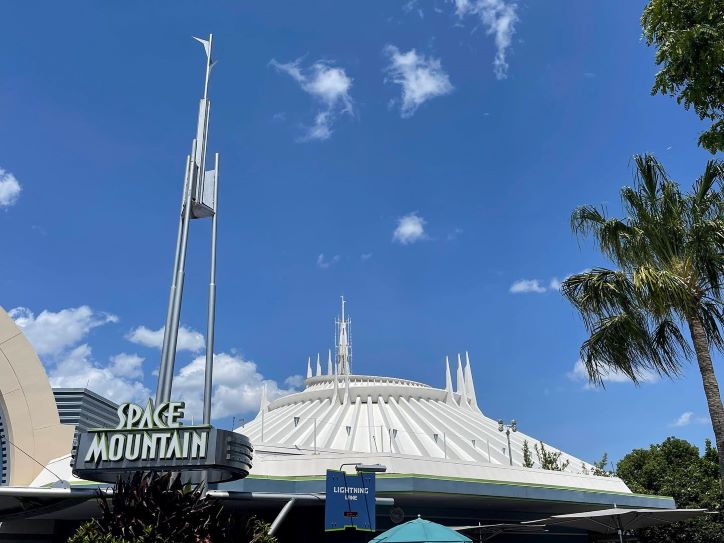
(188, 339)
(294, 381)
(127, 365)
(77, 369)
(237, 386)
(329, 85)
(51, 333)
(57, 336)
(525, 286)
(687, 418)
(580, 374)
(325, 263)
(9, 189)
(499, 19)
(410, 228)
(421, 78)
(365, 256)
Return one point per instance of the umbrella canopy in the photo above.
(609, 521)
(420, 531)
(489, 531)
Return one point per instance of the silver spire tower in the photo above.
(200, 198)
(344, 346)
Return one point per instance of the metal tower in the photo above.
(199, 201)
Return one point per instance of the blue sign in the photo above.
(350, 501)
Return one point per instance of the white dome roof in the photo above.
(368, 414)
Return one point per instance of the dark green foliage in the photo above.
(173, 510)
(527, 457)
(689, 40)
(89, 533)
(675, 468)
(152, 508)
(257, 531)
(599, 468)
(550, 460)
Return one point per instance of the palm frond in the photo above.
(599, 292)
(671, 344)
(649, 174)
(662, 291)
(623, 343)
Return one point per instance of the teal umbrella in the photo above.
(420, 531)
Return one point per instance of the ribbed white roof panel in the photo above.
(368, 414)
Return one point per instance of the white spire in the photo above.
(343, 346)
(461, 384)
(448, 383)
(309, 367)
(469, 384)
(329, 362)
(319, 366)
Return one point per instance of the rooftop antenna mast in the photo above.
(200, 198)
(343, 344)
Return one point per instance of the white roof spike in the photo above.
(448, 379)
(461, 385)
(449, 399)
(264, 402)
(329, 362)
(469, 384)
(309, 367)
(319, 366)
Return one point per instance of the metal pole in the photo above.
(281, 516)
(510, 452)
(166, 332)
(208, 67)
(173, 338)
(208, 374)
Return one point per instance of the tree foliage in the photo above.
(550, 460)
(689, 40)
(599, 467)
(675, 468)
(527, 456)
(669, 255)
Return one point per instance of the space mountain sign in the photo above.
(153, 438)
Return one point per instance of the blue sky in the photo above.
(472, 129)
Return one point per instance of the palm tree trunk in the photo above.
(711, 387)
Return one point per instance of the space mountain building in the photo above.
(445, 459)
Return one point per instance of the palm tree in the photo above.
(669, 252)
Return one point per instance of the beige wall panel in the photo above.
(19, 423)
(56, 441)
(33, 379)
(27, 400)
(7, 326)
(8, 379)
